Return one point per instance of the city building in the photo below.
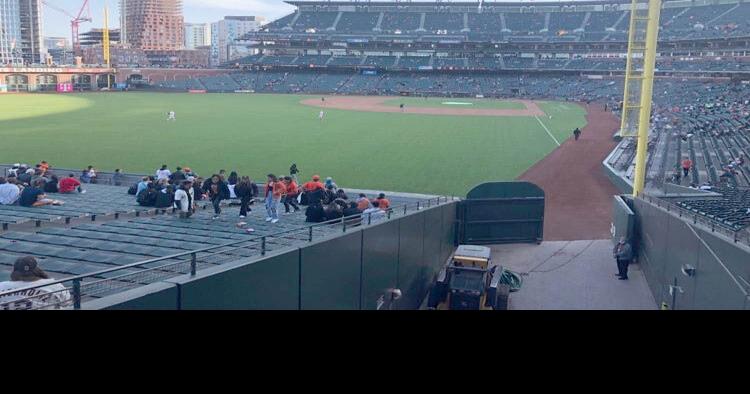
(21, 38)
(226, 31)
(197, 35)
(58, 49)
(152, 25)
(95, 37)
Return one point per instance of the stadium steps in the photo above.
(729, 11)
(619, 20)
(677, 16)
(547, 17)
(585, 22)
(503, 25)
(336, 21)
(466, 29)
(293, 21)
(422, 18)
(379, 23)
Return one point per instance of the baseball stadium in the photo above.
(393, 155)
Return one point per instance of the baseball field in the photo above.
(441, 146)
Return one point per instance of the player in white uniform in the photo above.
(170, 115)
(25, 276)
(321, 115)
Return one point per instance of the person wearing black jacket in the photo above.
(147, 196)
(245, 190)
(165, 198)
(51, 185)
(177, 176)
(217, 190)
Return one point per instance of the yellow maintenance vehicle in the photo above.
(470, 282)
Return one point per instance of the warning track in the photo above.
(578, 194)
(377, 104)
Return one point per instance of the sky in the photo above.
(57, 24)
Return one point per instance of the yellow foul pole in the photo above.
(649, 63)
(105, 43)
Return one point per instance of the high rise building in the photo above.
(152, 25)
(197, 35)
(21, 31)
(226, 31)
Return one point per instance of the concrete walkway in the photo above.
(572, 275)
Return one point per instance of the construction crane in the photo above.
(84, 15)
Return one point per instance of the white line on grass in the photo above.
(547, 130)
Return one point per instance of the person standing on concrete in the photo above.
(623, 253)
(687, 164)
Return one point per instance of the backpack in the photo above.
(133, 189)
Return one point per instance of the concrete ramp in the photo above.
(572, 275)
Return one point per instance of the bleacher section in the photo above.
(679, 20)
(155, 244)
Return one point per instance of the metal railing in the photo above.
(75, 290)
(738, 236)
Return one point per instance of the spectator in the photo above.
(184, 199)
(9, 192)
(217, 190)
(623, 254)
(142, 185)
(246, 190)
(293, 171)
(189, 173)
(383, 202)
(25, 177)
(85, 176)
(577, 133)
(163, 173)
(330, 182)
(333, 211)
(92, 175)
(314, 184)
(363, 203)
(341, 194)
(177, 176)
(44, 166)
(69, 184)
(26, 273)
(14, 170)
(117, 178)
(315, 213)
(198, 188)
(233, 178)
(147, 196)
(292, 191)
(51, 185)
(374, 214)
(330, 195)
(165, 197)
(687, 164)
(33, 196)
(352, 214)
(39, 174)
(275, 190)
(223, 175)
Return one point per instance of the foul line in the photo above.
(547, 130)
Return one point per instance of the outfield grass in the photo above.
(257, 134)
(432, 102)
